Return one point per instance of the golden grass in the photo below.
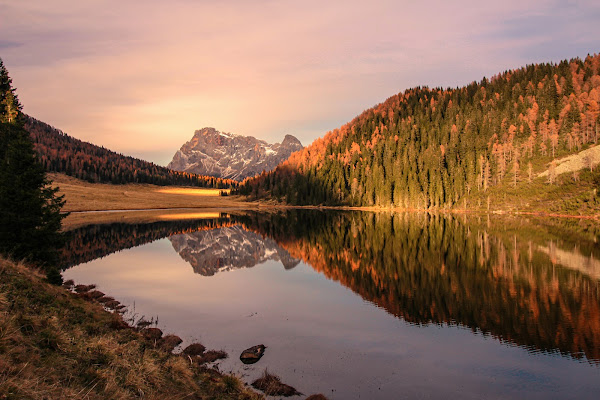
(189, 215)
(56, 345)
(193, 191)
(85, 196)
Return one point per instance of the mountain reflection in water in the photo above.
(523, 282)
(227, 248)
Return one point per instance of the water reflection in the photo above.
(227, 248)
(528, 283)
(487, 275)
(99, 240)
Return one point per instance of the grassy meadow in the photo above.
(85, 196)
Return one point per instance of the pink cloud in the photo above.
(141, 76)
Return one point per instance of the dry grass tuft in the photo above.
(95, 294)
(84, 288)
(105, 299)
(194, 349)
(271, 385)
(3, 302)
(69, 284)
(112, 305)
(152, 333)
(211, 356)
(143, 323)
(169, 342)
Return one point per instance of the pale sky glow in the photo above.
(139, 76)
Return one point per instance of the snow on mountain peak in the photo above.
(231, 156)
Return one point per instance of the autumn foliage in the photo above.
(431, 148)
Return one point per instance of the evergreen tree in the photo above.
(30, 218)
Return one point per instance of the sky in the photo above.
(140, 76)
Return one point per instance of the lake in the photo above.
(367, 305)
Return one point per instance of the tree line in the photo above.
(430, 148)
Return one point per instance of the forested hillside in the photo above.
(434, 148)
(59, 152)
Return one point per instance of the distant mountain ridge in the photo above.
(59, 152)
(230, 156)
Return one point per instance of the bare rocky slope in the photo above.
(588, 158)
(226, 155)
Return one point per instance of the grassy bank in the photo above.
(568, 195)
(56, 344)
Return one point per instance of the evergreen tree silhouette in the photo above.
(30, 218)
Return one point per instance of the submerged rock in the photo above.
(253, 354)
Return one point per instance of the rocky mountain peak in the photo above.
(290, 140)
(231, 156)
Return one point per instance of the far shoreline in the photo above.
(103, 203)
(85, 217)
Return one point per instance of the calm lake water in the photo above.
(368, 305)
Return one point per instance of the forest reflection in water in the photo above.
(524, 281)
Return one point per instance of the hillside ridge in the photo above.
(476, 146)
(60, 152)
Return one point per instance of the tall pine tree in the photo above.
(30, 218)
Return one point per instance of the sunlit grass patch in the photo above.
(193, 191)
(192, 215)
